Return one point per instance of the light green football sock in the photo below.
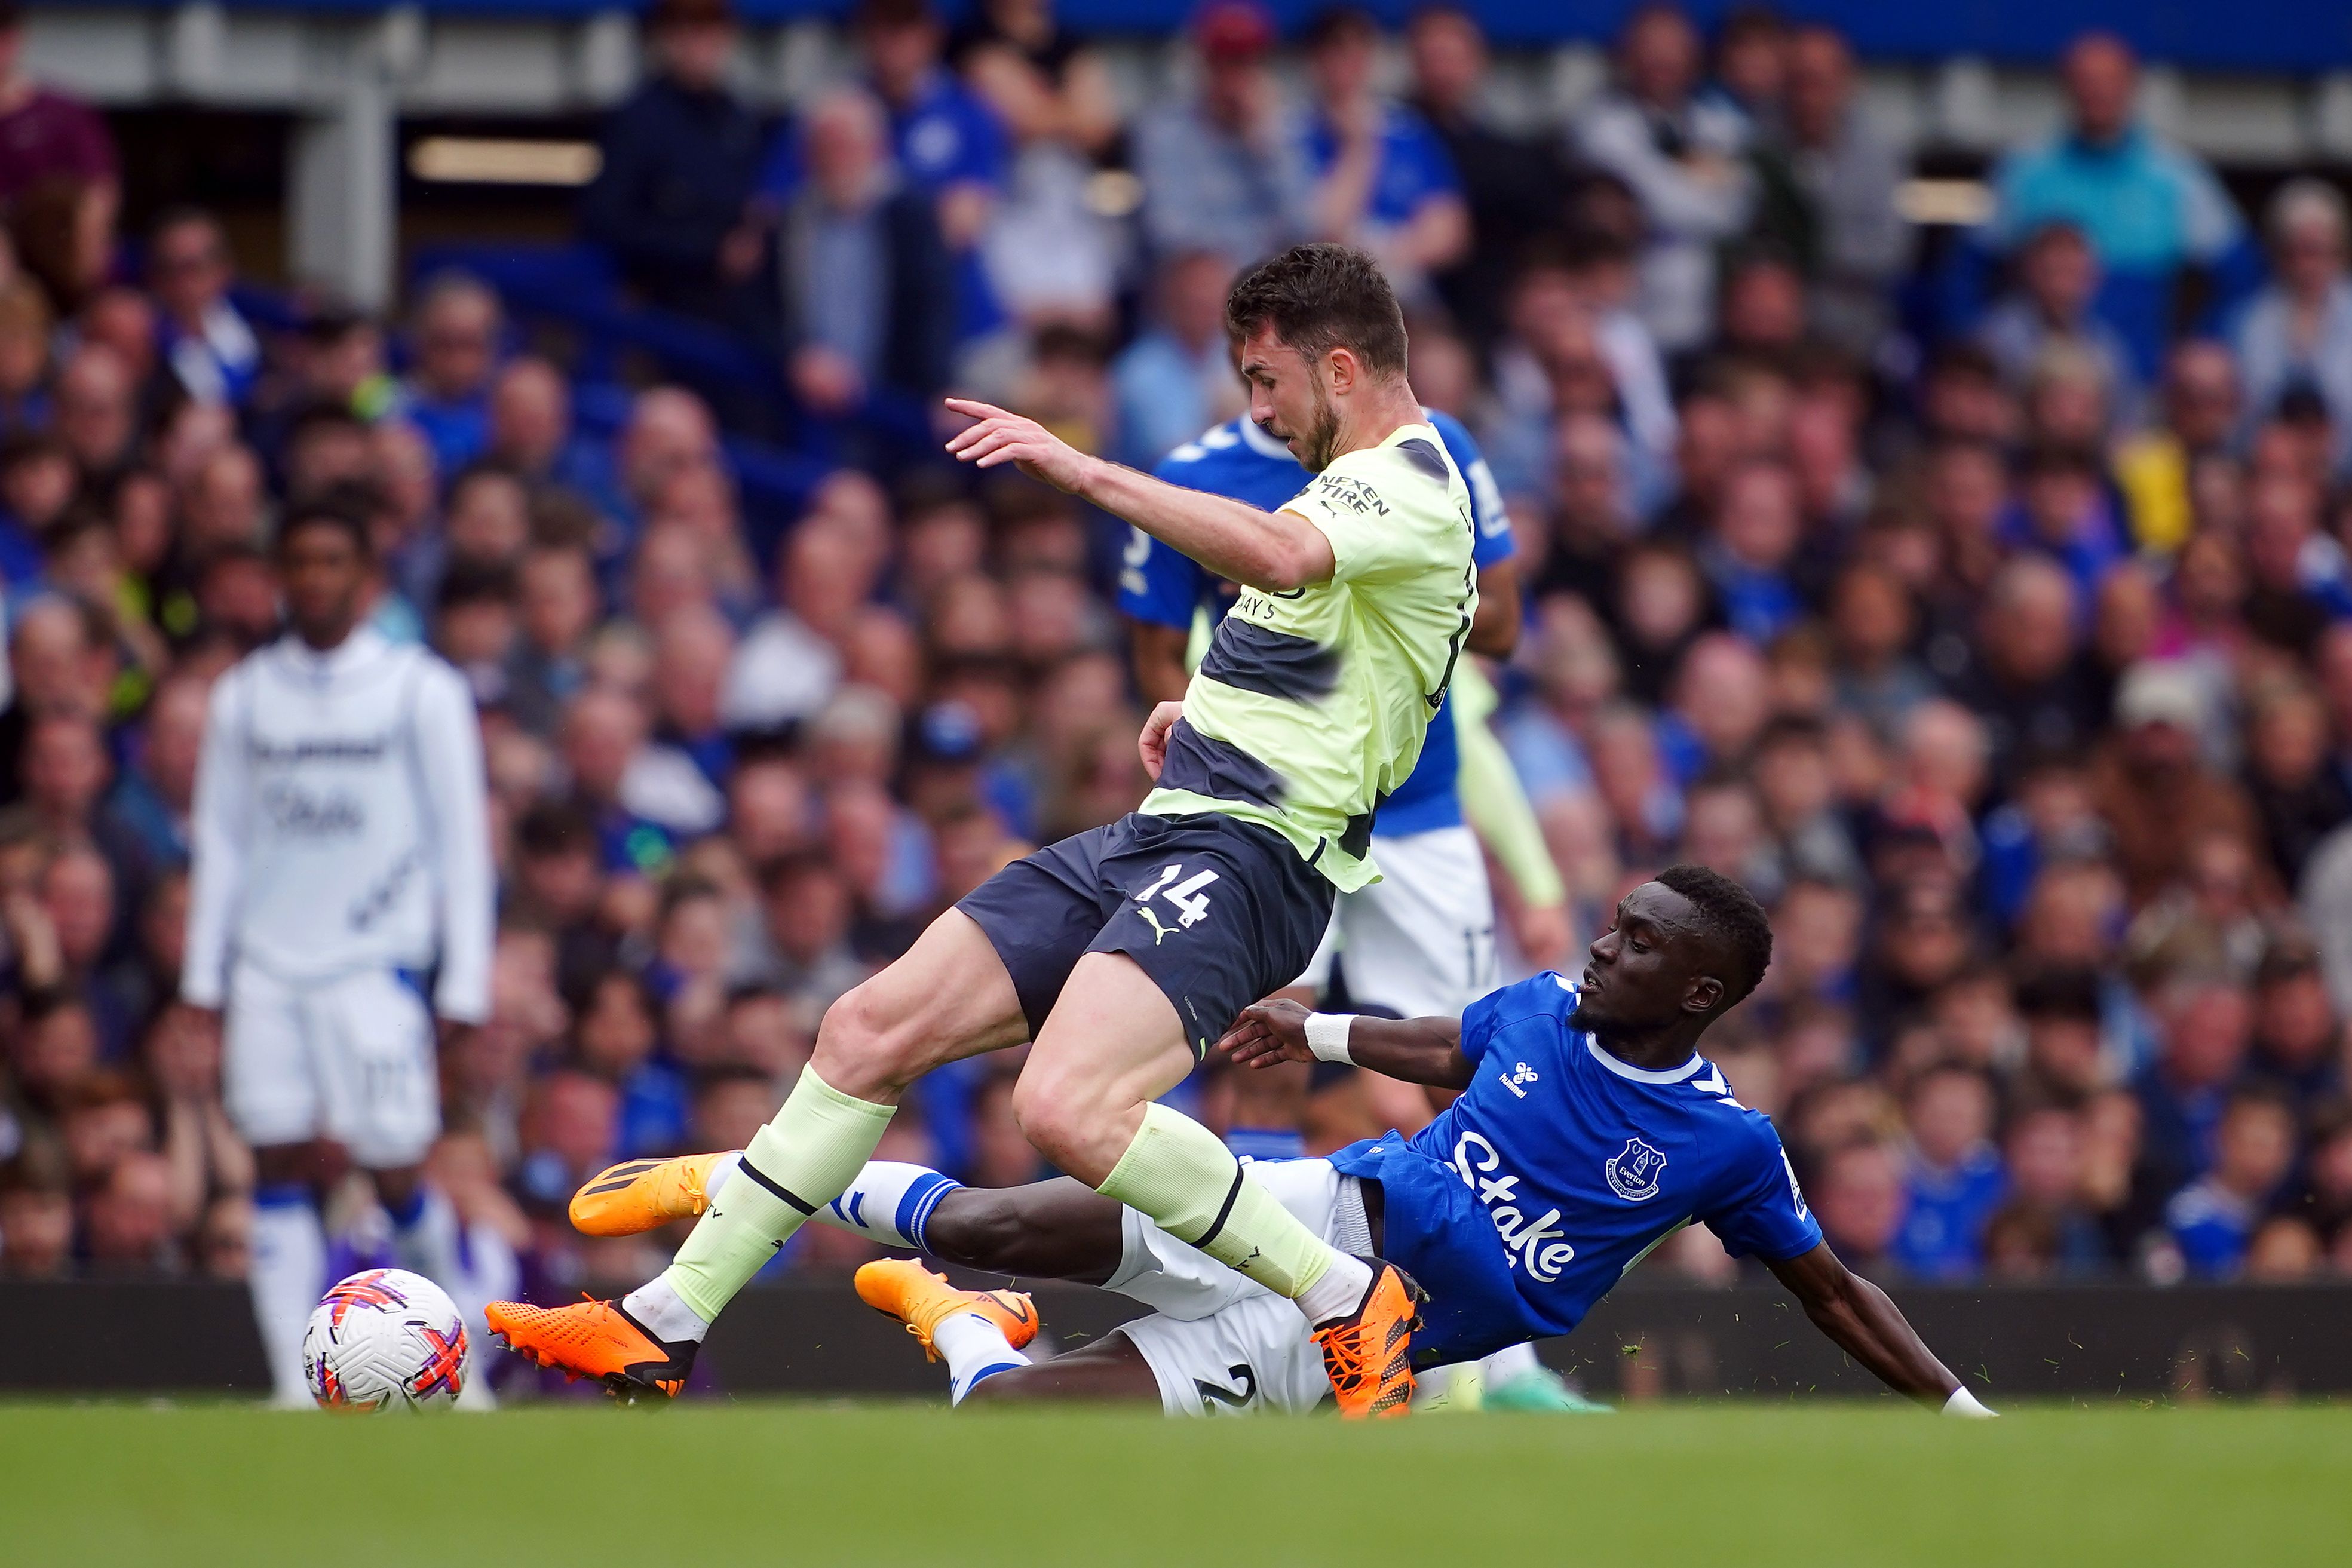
(1177, 1172)
(794, 1166)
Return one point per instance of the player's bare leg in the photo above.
(1086, 1099)
(948, 998)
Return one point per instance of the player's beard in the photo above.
(1320, 442)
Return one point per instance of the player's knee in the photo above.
(864, 1046)
(1074, 1123)
(1051, 1112)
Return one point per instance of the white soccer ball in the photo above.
(385, 1339)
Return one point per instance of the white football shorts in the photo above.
(1419, 942)
(1219, 1343)
(349, 1059)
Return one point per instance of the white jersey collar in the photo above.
(1642, 1074)
(363, 647)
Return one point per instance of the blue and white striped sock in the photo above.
(975, 1350)
(887, 1202)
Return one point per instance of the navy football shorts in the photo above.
(1217, 911)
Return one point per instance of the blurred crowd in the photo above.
(2003, 648)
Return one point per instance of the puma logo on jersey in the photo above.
(1159, 932)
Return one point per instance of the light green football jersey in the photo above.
(1309, 706)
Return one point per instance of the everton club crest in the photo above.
(1633, 1171)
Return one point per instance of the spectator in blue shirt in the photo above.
(150, 801)
(2064, 510)
(1384, 180)
(2208, 1026)
(2211, 1221)
(1954, 1178)
(532, 432)
(950, 145)
(1750, 552)
(1177, 378)
(454, 345)
(618, 1033)
(2150, 209)
(671, 199)
(210, 347)
(2057, 279)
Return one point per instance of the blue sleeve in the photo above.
(1494, 542)
(780, 171)
(1433, 173)
(985, 151)
(1157, 584)
(1479, 1023)
(1546, 999)
(1766, 1217)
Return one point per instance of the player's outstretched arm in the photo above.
(1857, 1315)
(1418, 1051)
(1277, 551)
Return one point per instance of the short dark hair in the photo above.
(1730, 915)
(468, 585)
(555, 828)
(1321, 297)
(327, 512)
(2068, 993)
(1335, 23)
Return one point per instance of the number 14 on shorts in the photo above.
(1190, 904)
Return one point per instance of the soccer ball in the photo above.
(384, 1338)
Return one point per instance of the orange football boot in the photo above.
(903, 1289)
(594, 1339)
(640, 1195)
(1369, 1353)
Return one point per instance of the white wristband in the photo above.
(1966, 1405)
(1326, 1036)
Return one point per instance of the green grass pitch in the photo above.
(1751, 1485)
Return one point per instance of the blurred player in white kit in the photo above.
(341, 857)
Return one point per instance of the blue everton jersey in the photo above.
(1559, 1169)
(1237, 459)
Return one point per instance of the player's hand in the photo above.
(1153, 743)
(1001, 437)
(1267, 1033)
(1541, 932)
(455, 1035)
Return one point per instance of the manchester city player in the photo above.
(1419, 940)
(1126, 952)
(1588, 1131)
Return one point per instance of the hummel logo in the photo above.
(1159, 932)
(1520, 1073)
